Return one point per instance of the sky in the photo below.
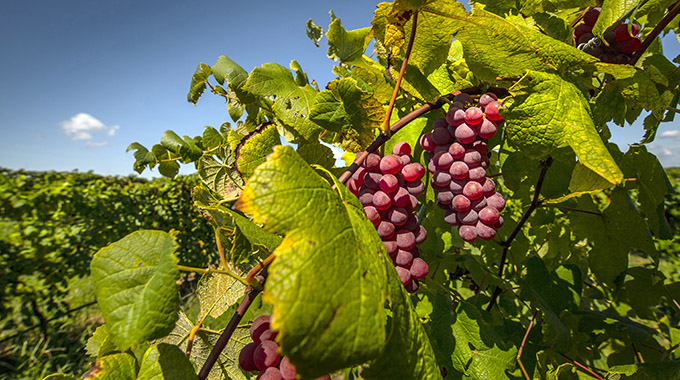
(83, 79)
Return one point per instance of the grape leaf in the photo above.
(346, 46)
(60, 376)
(135, 281)
(220, 175)
(314, 32)
(100, 343)
(165, 362)
(611, 11)
(255, 147)
(121, 366)
(647, 371)
(198, 81)
(217, 292)
(143, 157)
(327, 283)
(549, 113)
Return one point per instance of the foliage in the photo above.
(572, 286)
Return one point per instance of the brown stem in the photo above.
(521, 347)
(222, 341)
(414, 23)
(250, 278)
(675, 9)
(506, 244)
(588, 370)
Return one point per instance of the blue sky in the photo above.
(83, 79)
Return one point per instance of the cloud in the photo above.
(83, 126)
(675, 134)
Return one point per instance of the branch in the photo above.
(588, 370)
(675, 9)
(506, 244)
(521, 348)
(222, 341)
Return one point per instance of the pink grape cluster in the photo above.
(388, 188)
(458, 162)
(262, 354)
(621, 43)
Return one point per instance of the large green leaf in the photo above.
(165, 362)
(136, 286)
(548, 113)
(346, 46)
(327, 284)
(220, 175)
(121, 366)
(198, 82)
(255, 147)
(612, 10)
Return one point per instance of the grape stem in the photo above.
(222, 341)
(581, 366)
(535, 202)
(223, 270)
(521, 347)
(675, 9)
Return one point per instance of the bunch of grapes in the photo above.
(388, 188)
(621, 43)
(458, 162)
(262, 354)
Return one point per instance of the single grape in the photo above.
(463, 99)
(622, 31)
(487, 98)
(266, 355)
(629, 46)
(441, 136)
(590, 18)
(496, 201)
(372, 180)
(472, 158)
(405, 160)
(352, 186)
(412, 172)
(491, 111)
(260, 325)
(397, 216)
(499, 224)
(405, 239)
(390, 164)
(477, 174)
(390, 246)
(610, 37)
(430, 166)
(372, 162)
(580, 30)
(585, 38)
(412, 205)
(468, 217)
(451, 218)
(461, 203)
(478, 204)
(245, 357)
(442, 160)
(388, 183)
(386, 230)
(287, 369)
(489, 215)
(401, 198)
(455, 116)
(488, 187)
(268, 335)
(402, 148)
(467, 233)
(358, 175)
(271, 373)
(366, 198)
(426, 142)
(404, 258)
(445, 197)
(441, 178)
(456, 185)
(372, 215)
(412, 286)
(415, 188)
(487, 130)
(485, 232)
(439, 123)
(419, 268)
(473, 116)
(481, 146)
(472, 190)
(381, 200)
(465, 134)
(459, 170)
(421, 235)
(404, 275)
(457, 150)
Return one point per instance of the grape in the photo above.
(472, 158)
(463, 99)
(245, 357)
(372, 162)
(430, 167)
(585, 38)
(390, 164)
(478, 204)
(426, 142)
(402, 148)
(386, 230)
(411, 223)
(491, 111)
(630, 46)
(477, 174)
(465, 134)
(287, 369)
(401, 198)
(412, 286)
(467, 233)
(271, 373)
(412, 205)
(486, 99)
(260, 325)
(441, 178)
(412, 172)
(489, 186)
(358, 176)
(404, 275)
(456, 185)
(455, 116)
(580, 30)
(415, 188)
(590, 18)
(451, 218)
(405, 239)
(381, 200)
(352, 186)
(372, 180)
(442, 160)
(421, 235)
(388, 183)
(456, 150)
(473, 116)
(460, 203)
(390, 246)
(372, 215)
(621, 31)
(496, 201)
(487, 130)
(459, 170)
(405, 160)
(366, 198)
(472, 190)
(268, 335)
(419, 268)
(404, 258)
(468, 217)
(266, 355)
(398, 216)
(489, 215)
(445, 197)
(480, 146)
(485, 232)
(441, 136)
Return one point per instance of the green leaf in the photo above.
(226, 70)
(168, 168)
(612, 235)
(314, 32)
(346, 46)
(165, 362)
(100, 343)
(253, 149)
(220, 175)
(612, 10)
(198, 81)
(60, 376)
(548, 113)
(327, 283)
(212, 138)
(185, 148)
(317, 154)
(468, 343)
(495, 47)
(135, 281)
(647, 371)
(121, 366)
(143, 157)
(344, 105)
(217, 293)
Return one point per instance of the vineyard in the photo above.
(481, 226)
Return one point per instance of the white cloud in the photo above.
(96, 144)
(83, 126)
(670, 134)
